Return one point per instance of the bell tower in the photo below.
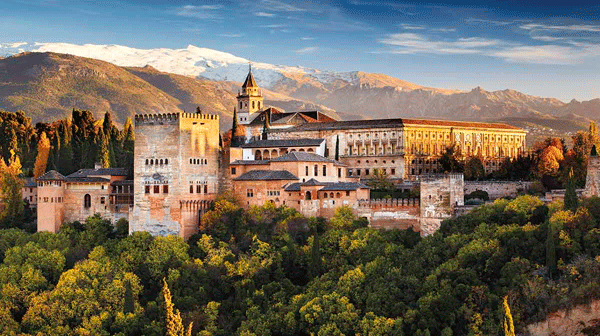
(249, 100)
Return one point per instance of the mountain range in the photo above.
(49, 79)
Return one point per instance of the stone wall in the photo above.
(497, 189)
(592, 181)
(440, 195)
(390, 213)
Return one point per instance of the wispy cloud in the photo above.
(307, 38)
(411, 26)
(547, 54)
(574, 28)
(409, 43)
(407, 26)
(280, 6)
(264, 14)
(489, 22)
(306, 50)
(274, 26)
(231, 35)
(200, 12)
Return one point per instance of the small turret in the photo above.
(249, 100)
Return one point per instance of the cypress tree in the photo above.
(571, 201)
(173, 318)
(509, 328)
(128, 303)
(550, 250)
(104, 152)
(234, 126)
(337, 148)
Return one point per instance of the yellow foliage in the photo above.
(41, 160)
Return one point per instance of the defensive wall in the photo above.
(498, 189)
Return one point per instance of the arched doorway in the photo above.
(308, 196)
(87, 201)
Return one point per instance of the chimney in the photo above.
(98, 165)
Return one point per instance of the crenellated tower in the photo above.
(249, 100)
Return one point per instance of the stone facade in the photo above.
(592, 181)
(440, 195)
(176, 171)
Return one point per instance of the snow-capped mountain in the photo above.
(191, 61)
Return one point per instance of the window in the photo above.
(151, 161)
(87, 201)
(347, 193)
(206, 188)
(367, 172)
(358, 172)
(393, 171)
(165, 189)
(339, 172)
(146, 161)
(166, 161)
(198, 188)
(191, 189)
(156, 189)
(232, 170)
(316, 170)
(102, 201)
(147, 189)
(249, 193)
(324, 170)
(306, 172)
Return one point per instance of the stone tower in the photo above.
(51, 201)
(592, 181)
(176, 171)
(249, 100)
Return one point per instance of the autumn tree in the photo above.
(509, 328)
(41, 160)
(10, 188)
(173, 317)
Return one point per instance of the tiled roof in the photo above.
(340, 186)
(122, 182)
(293, 186)
(265, 175)
(250, 162)
(52, 175)
(99, 172)
(30, 182)
(312, 182)
(398, 122)
(87, 179)
(284, 143)
(302, 157)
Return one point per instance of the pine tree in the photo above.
(509, 328)
(128, 303)
(104, 152)
(571, 201)
(173, 318)
(107, 124)
(41, 160)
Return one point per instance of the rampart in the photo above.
(392, 213)
(164, 118)
(498, 189)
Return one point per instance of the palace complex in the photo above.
(305, 160)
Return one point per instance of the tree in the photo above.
(550, 250)
(104, 152)
(450, 160)
(380, 180)
(474, 169)
(571, 201)
(41, 159)
(172, 316)
(337, 148)
(11, 185)
(509, 328)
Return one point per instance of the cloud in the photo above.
(280, 6)
(411, 27)
(574, 28)
(200, 12)
(264, 14)
(12, 45)
(547, 54)
(231, 35)
(307, 38)
(489, 22)
(409, 43)
(306, 50)
(274, 26)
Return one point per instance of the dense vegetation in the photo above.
(271, 271)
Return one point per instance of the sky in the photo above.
(537, 48)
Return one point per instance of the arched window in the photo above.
(161, 161)
(87, 201)
(166, 161)
(240, 104)
(258, 104)
(331, 195)
(316, 170)
(325, 195)
(308, 196)
(253, 104)
(151, 161)
(146, 161)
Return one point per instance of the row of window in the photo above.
(199, 188)
(52, 199)
(384, 135)
(198, 161)
(151, 162)
(358, 171)
(49, 183)
(156, 189)
(254, 105)
(316, 171)
(273, 193)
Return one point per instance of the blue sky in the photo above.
(541, 49)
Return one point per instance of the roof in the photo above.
(397, 122)
(284, 143)
(302, 157)
(51, 175)
(30, 182)
(249, 82)
(341, 186)
(283, 118)
(327, 186)
(99, 172)
(266, 175)
(249, 162)
(122, 182)
(87, 179)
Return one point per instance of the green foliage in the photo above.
(571, 200)
(474, 169)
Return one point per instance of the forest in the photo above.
(271, 271)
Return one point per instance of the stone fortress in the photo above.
(305, 160)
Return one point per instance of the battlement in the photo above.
(168, 118)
